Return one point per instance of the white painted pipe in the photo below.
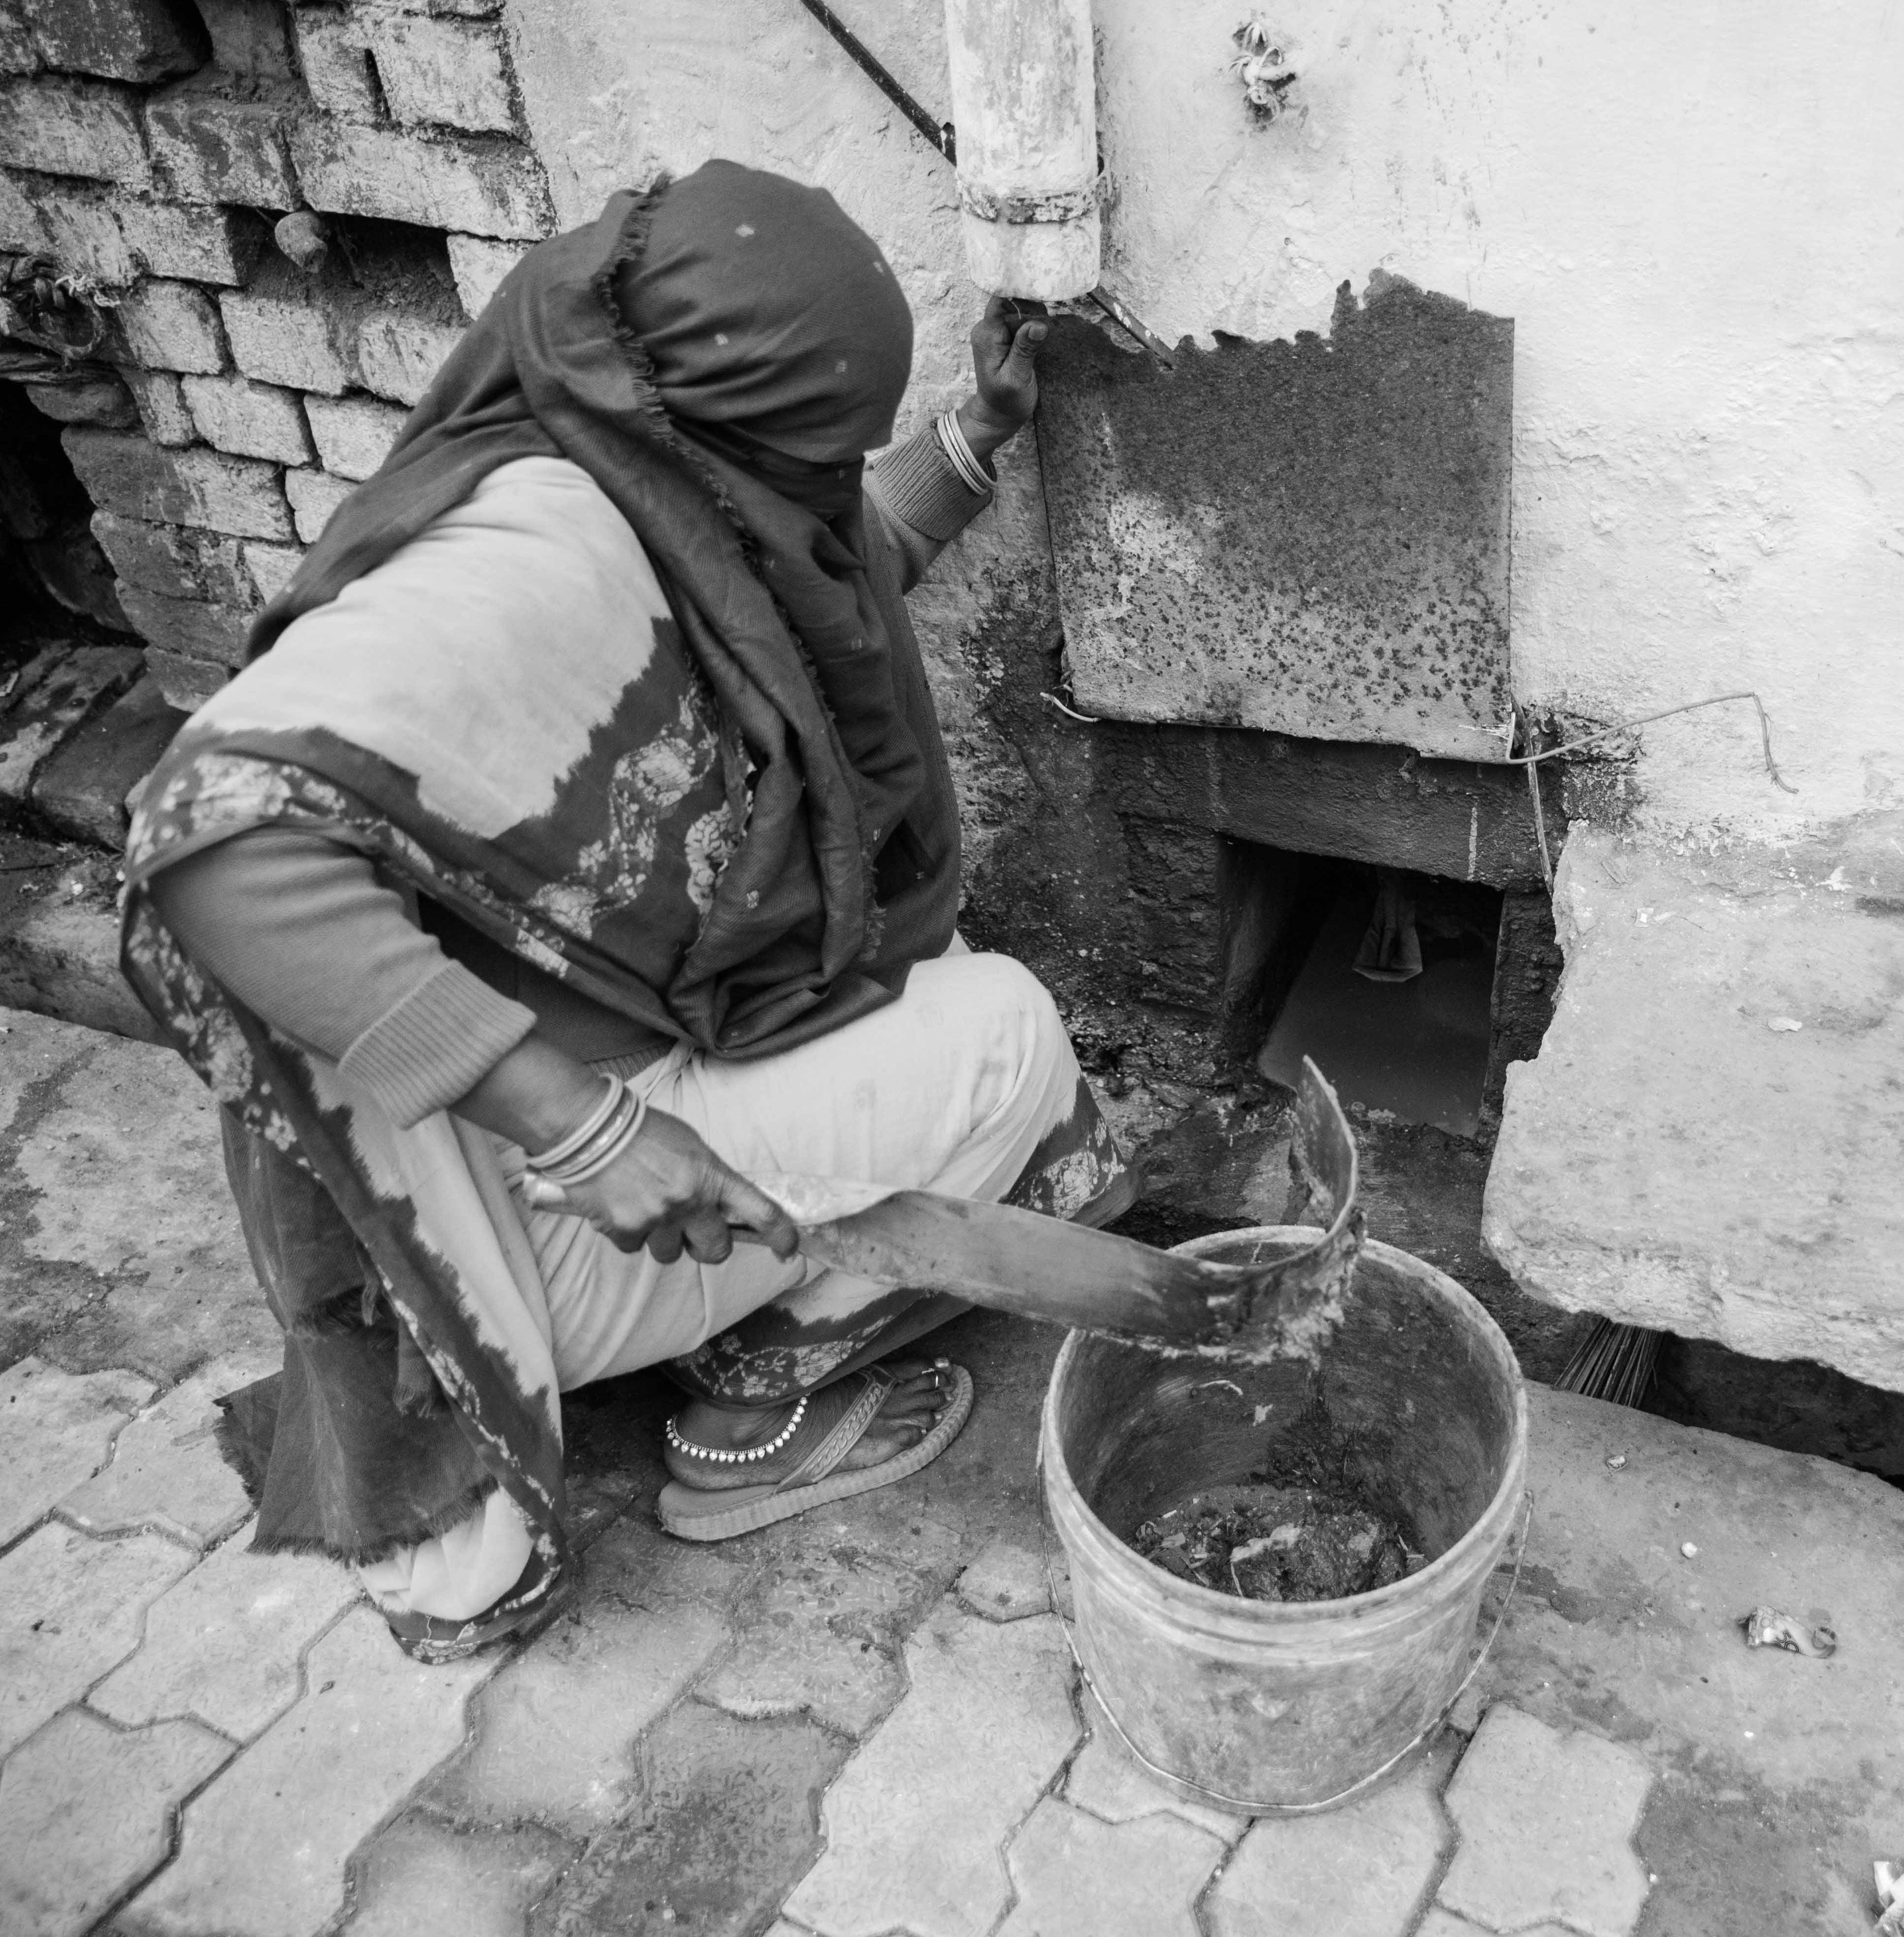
(1024, 108)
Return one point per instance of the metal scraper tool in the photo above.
(1041, 1267)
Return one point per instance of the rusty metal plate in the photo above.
(1310, 536)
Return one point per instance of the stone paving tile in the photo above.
(553, 1734)
(1546, 1821)
(1105, 1780)
(1440, 1922)
(70, 1608)
(727, 1815)
(423, 1878)
(914, 1826)
(1359, 1871)
(1005, 1582)
(823, 1634)
(262, 1851)
(1077, 1877)
(223, 1643)
(56, 1430)
(85, 1812)
(167, 1472)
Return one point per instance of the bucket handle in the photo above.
(1236, 1805)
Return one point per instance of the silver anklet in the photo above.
(738, 1454)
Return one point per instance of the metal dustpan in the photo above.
(1040, 1267)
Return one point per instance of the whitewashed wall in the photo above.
(1693, 214)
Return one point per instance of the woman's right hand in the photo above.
(668, 1190)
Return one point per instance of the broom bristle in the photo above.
(1614, 1361)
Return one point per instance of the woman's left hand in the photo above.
(1005, 345)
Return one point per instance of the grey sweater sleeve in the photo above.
(300, 930)
(921, 502)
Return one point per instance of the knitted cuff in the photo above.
(436, 1045)
(922, 489)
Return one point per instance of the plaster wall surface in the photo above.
(1691, 216)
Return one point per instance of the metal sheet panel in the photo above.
(1309, 537)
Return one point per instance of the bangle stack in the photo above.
(588, 1149)
(952, 441)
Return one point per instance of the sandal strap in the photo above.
(852, 1427)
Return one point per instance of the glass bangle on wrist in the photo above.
(959, 454)
(587, 1151)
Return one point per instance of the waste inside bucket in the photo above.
(1286, 1704)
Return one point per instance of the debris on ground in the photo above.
(1303, 1528)
(1767, 1627)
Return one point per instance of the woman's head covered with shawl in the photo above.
(776, 330)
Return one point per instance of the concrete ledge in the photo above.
(1711, 1140)
(59, 938)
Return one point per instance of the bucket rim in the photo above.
(1184, 1598)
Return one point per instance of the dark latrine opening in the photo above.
(1384, 976)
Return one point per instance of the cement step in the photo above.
(1711, 1141)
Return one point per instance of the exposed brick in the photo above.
(400, 355)
(142, 41)
(271, 568)
(479, 266)
(214, 149)
(18, 55)
(161, 399)
(353, 434)
(84, 237)
(249, 38)
(169, 325)
(175, 560)
(283, 331)
(478, 188)
(136, 479)
(81, 791)
(253, 419)
(211, 245)
(88, 128)
(22, 226)
(102, 401)
(331, 46)
(447, 73)
(188, 627)
(186, 683)
(314, 495)
(119, 239)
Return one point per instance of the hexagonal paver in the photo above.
(1105, 1780)
(70, 1607)
(166, 1470)
(1546, 1821)
(1005, 1582)
(554, 1734)
(56, 1430)
(916, 1823)
(423, 1878)
(823, 1635)
(1361, 1870)
(1077, 1877)
(223, 1643)
(1440, 1922)
(262, 1851)
(86, 1811)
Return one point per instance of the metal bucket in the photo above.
(1259, 1705)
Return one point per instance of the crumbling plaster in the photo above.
(1690, 215)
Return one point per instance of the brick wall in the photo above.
(259, 367)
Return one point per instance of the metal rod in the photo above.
(939, 133)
